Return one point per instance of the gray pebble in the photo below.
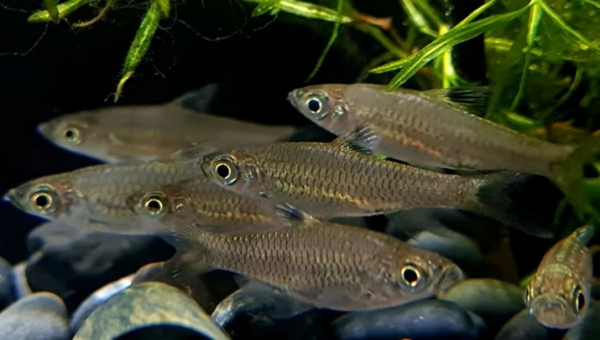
(40, 316)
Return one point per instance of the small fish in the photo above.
(560, 290)
(339, 179)
(320, 263)
(210, 203)
(99, 193)
(127, 133)
(434, 129)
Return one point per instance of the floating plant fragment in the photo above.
(40, 316)
(423, 320)
(144, 306)
(102, 14)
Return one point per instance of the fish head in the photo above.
(324, 105)
(557, 300)
(156, 204)
(418, 273)
(236, 171)
(73, 132)
(49, 197)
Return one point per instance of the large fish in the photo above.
(560, 290)
(320, 263)
(337, 179)
(147, 132)
(428, 128)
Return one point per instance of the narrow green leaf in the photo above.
(52, 10)
(309, 10)
(140, 44)
(454, 36)
(64, 9)
(265, 6)
(334, 34)
(417, 18)
(390, 66)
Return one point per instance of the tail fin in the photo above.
(568, 175)
(522, 201)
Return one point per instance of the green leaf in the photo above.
(334, 34)
(64, 9)
(265, 6)
(52, 9)
(417, 18)
(140, 44)
(453, 37)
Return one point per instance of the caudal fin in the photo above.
(568, 175)
(522, 201)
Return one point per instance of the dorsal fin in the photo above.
(199, 100)
(473, 100)
(293, 216)
(361, 139)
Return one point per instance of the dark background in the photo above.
(47, 70)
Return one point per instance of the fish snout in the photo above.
(45, 129)
(10, 196)
(292, 97)
(553, 314)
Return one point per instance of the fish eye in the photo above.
(226, 169)
(579, 299)
(410, 275)
(155, 204)
(72, 135)
(316, 103)
(43, 200)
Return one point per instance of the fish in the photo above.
(560, 290)
(437, 129)
(319, 263)
(217, 207)
(100, 193)
(341, 179)
(146, 132)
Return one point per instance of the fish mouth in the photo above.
(552, 314)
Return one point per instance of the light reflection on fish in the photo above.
(560, 290)
(336, 179)
(324, 264)
(127, 133)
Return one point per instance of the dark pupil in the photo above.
(154, 205)
(410, 276)
(69, 134)
(314, 105)
(580, 301)
(42, 201)
(223, 170)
